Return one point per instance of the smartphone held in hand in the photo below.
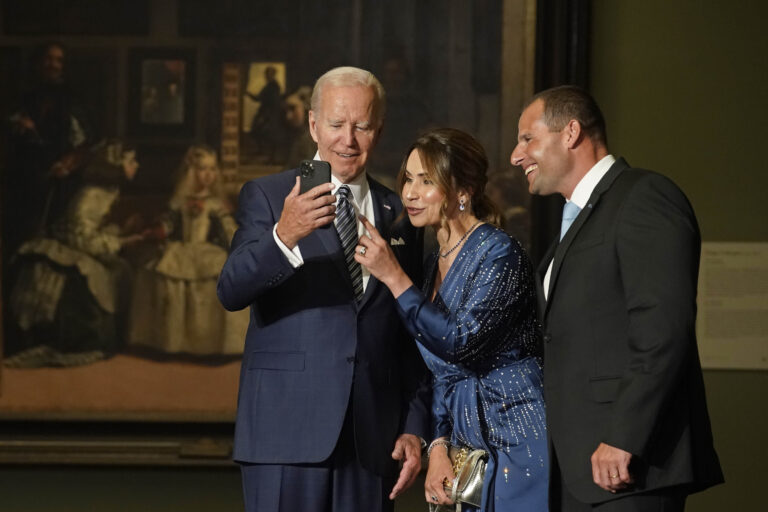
(313, 173)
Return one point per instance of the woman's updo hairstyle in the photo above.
(454, 160)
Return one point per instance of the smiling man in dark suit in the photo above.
(332, 389)
(626, 412)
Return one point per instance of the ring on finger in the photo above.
(615, 475)
(362, 251)
(434, 498)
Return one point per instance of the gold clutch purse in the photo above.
(467, 487)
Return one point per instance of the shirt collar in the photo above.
(358, 187)
(590, 180)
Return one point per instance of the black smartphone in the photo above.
(313, 173)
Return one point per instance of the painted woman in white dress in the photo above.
(174, 307)
(70, 295)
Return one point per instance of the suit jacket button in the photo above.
(547, 338)
(351, 359)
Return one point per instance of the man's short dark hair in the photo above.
(566, 102)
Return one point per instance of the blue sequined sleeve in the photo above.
(441, 416)
(491, 292)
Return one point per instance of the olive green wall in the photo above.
(684, 88)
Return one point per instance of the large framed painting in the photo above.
(126, 356)
(85, 376)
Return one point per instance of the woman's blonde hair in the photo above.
(454, 160)
(185, 183)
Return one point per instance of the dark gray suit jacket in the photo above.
(621, 362)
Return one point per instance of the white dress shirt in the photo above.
(363, 204)
(580, 196)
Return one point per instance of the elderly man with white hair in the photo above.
(334, 400)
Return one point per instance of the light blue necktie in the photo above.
(570, 212)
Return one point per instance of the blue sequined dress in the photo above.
(478, 337)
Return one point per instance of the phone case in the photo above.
(313, 173)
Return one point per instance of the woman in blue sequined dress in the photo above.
(474, 322)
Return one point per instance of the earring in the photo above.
(462, 206)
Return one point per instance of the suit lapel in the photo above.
(541, 272)
(325, 242)
(561, 249)
(384, 212)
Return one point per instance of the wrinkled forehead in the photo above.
(349, 100)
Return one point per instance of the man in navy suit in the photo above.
(626, 414)
(333, 392)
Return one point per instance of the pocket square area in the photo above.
(396, 241)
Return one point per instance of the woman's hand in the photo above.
(374, 252)
(439, 470)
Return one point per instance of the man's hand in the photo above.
(408, 451)
(302, 214)
(610, 468)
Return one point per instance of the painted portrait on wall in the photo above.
(223, 94)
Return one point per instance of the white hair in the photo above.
(348, 76)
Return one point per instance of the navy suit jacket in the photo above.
(311, 351)
(621, 364)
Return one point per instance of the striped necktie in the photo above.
(346, 226)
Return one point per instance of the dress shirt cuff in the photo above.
(293, 256)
